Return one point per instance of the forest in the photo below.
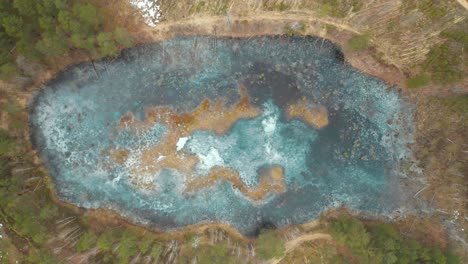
(45, 30)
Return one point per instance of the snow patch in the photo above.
(272, 153)
(181, 143)
(150, 10)
(270, 120)
(269, 125)
(211, 159)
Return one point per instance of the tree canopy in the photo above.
(45, 30)
(382, 243)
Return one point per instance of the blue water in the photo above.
(353, 162)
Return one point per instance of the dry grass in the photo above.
(441, 150)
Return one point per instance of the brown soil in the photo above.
(315, 116)
(291, 245)
(207, 116)
(271, 180)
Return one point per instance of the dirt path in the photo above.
(311, 225)
(464, 3)
(211, 22)
(291, 245)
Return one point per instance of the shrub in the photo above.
(122, 37)
(86, 242)
(106, 44)
(42, 256)
(127, 246)
(269, 245)
(338, 8)
(351, 233)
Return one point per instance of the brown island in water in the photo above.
(207, 116)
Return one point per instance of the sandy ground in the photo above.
(464, 3)
(291, 245)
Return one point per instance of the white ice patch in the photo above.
(269, 125)
(269, 121)
(211, 159)
(272, 154)
(181, 143)
(149, 9)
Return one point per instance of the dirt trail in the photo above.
(464, 3)
(311, 225)
(210, 22)
(291, 245)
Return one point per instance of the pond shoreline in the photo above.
(282, 40)
(259, 26)
(363, 61)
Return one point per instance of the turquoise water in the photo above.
(352, 162)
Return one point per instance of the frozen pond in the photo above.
(248, 132)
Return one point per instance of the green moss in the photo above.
(49, 211)
(127, 246)
(324, 10)
(106, 240)
(272, 5)
(359, 42)
(457, 104)
(8, 71)
(42, 256)
(418, 81)
(122, 37)
(145, 244)
(6, 142)
(155, 251)
(216, 254)
(433, 9)
(338, 8)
